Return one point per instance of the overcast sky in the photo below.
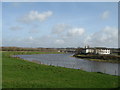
(60, 24)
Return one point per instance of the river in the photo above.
(65, 60)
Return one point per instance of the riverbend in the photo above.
(65, 60)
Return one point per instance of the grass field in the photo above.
(19, 73)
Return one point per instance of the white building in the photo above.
(96, 50)
(102, 51)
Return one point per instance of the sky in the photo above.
(1, 24)
(60, 24)
(60, 0)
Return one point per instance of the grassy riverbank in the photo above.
(19, 73)
(100, 58)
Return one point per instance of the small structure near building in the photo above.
(96, 50)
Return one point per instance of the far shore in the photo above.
(92, 58)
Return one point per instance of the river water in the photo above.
(65, 60)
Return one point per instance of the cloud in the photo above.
(59, 41)
(30, 38)
(14, 28)
(107, 37)
(76, 32)
(31, 41)
(35, 16)
(60, 28)
(67, 31)
(105, 15)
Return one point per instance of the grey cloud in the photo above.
(107, 37)
(14, 28)
(35, 16)
(105, 15)
(76, 32)
(60, 28)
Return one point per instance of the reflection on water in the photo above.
(65, 60)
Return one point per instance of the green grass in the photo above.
(19, 73)
(0, 69)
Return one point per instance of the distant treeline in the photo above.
(27, 49)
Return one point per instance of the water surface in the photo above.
(65, 60)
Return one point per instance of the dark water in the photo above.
(65, 60)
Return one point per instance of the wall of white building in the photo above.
(96, 51)
(102, 51)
